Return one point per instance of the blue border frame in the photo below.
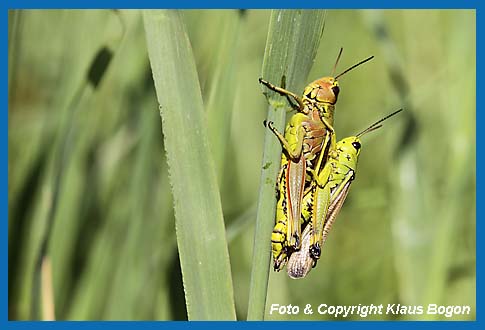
(222, 325)
(253, 4)
(479, 137)
(399, 4)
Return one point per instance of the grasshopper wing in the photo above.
(301, 262)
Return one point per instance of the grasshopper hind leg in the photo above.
(315, 250)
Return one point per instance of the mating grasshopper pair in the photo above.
(315, 176)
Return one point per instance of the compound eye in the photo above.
(335, 90)
(356, 145)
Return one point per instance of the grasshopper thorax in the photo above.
(322, 91)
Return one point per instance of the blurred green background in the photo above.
(92, 141)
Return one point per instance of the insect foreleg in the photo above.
(283, 92)
(293, 152)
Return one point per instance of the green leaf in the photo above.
(199, 223)
(293, 40)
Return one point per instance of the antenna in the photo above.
(336, 62)
(354, 66)
(376, 125)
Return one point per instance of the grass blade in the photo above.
(201, 237)
(293, 40)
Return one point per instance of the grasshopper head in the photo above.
(348, 150)
(323, 90)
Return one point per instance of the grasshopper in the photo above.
(309, 135)
(323, 202)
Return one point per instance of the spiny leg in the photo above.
(283, 92)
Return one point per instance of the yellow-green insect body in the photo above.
(336, 175)
(322, 205)
(309, 135)
(326, 197)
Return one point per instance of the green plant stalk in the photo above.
(201, 238)
(291, 47)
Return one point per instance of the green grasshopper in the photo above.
(309, 135)
(323, 202)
